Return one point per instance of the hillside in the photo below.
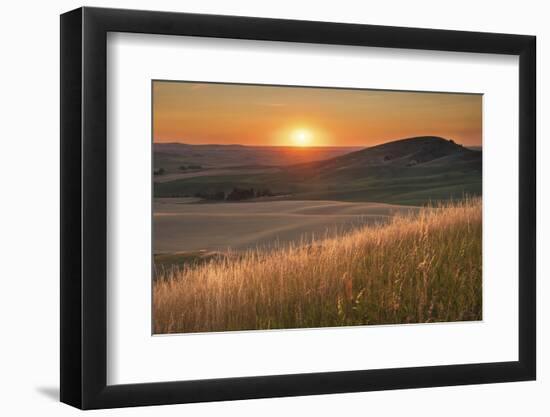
(417, 268)
(407, 171)
(403, 153)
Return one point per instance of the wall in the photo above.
(29, 211)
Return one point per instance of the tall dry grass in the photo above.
(418, 268)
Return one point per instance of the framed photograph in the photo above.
(256, 208)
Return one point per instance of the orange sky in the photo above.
(203, 113)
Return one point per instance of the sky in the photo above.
(209, 113)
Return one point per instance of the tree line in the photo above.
(236, 194)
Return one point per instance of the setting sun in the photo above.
(302, 137)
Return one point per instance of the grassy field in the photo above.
(388, 185)
(418, 268)
(413, 171)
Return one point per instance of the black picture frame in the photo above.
(84, 207)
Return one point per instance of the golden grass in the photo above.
(418, 268)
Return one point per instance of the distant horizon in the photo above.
(300, 147)
(279, 116)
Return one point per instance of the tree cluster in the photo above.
(236, 194)
(160, 171)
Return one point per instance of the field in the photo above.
(414, 171)
(417, 266)
(172, 155)
(184, 225)
(255, 238)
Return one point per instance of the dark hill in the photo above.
(404, 153)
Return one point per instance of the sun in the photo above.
(302, 137)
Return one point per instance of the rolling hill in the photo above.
(404, 153)
(171, 156)
(407, 171)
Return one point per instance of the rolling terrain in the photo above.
(182, 226)
(252, 238)
(417, 268)
(171, 156)
(411, 171)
